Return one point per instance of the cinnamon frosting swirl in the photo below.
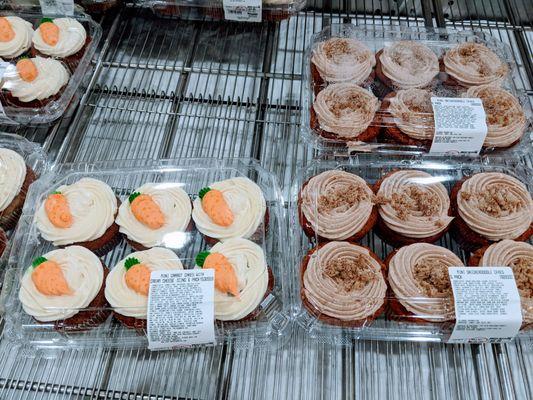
(473, 64)
(344, 281)
(418, 276)
(414, 204)
(409, 64)
(413, 113)
(337, 204)
(506, 120)
(345, 109)
(343, 60)
(495, 205)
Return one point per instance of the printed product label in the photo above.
(58, 7)
(243, 10)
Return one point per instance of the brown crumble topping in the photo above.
(350, 273)
(523, 273)
(354, 102)
(414, 198)
(498, 201)
(380, 200)
(439, 223)
(433, 278)
(341, 196)
(339, 47)
(470, 56)
(500, 110)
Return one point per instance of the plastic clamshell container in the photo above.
(437, 40)
(381, 315)
(52, 109)
(270, 324)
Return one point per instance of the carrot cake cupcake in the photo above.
(242, 278)
(128, 283)
(412, 208)
(15, 37)
(407, 65)
(15, 178)
(343, 284)
(506, 120)
(66, 287)
(3, 241)
(231, 208)
(63, 38)
(420, 283)
(156, 214)
(339, 60)
(336, 205)
(518, 256)
(83, 214)
(489, 207)
(345, 111)
(34, 82)
(473, 64)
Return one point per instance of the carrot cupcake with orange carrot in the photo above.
(15, 37)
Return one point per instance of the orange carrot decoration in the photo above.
(58, 211)
(225, 278)
(146, 210)
(137, 276)
(48, 278)
(216, 207)
(6, 30)
(49, 31)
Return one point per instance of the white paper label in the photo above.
(243, 10)
(181, 308)
(58, 7)
(487, 304)
(460, 125)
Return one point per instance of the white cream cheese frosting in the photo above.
(12, 175)
(124, 299)
(21, 42)
(93, 206)
(84, 273)
(72, 37)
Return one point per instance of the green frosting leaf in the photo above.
(133, 196)
(130, 262)
(46, 19)
(203, 192)
(38, 261)
(56, 192)
(200, 258)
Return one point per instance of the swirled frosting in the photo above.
(175, 206)
(343, 60)
(93, 206)
(72, 37)
(51, 77)
(345, 109)
(12, 175)
(495, 205)
(518, 256)
(409, 64)
(84, 274)
(344, 281)
(506, 120)
(247, 203)
(418, 276)
(473, 64)
(127, 301)
(249, 264)
(337, 204)
(21, 41)
(413, 114)
(414, 204)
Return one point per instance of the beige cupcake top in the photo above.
(413, 113)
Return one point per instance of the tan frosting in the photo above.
(495, 205)
(413, 113)
(409, 64)
(506, 120)
(473, 64)
(345, 109)
(350, 295)
(343, 60)
(414, 204)
(337, 204)
(518, 256)
(418, 276)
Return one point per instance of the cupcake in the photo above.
(128, 283)
(412, 208)
(345, 111)
(506, 120)
(80, 214)
(15, 178)
(156, 214)
(473, 64)
(343, 284)
(65, 287)
(34, 82)
(420, 283)
(336, 205)
(242, 278)
(407, 65)
(3, 242)
(411, 116)
(518, 256)
(229, 209)
(489, 207)
(15, 37)
(342, 60)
